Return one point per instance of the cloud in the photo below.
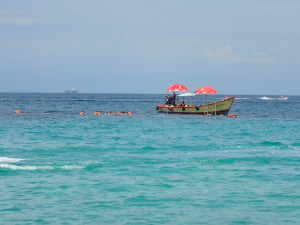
(261, 57)
(163, 46)
(17, 21)
(225, 53)
(102, 45)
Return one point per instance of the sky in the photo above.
(143, 46)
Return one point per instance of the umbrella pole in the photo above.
(206, 106)
(215, 108)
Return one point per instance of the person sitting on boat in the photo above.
(182, 104)
(169, 100)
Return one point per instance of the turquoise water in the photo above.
(60, 167)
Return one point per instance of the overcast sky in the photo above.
(136, 46)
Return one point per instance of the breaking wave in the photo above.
(266, 98)
(27, 167)
(10, 160)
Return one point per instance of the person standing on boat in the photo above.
(174, 98)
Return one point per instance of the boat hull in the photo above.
(216, 108)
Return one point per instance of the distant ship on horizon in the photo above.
(72, 91)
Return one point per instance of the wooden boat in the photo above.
(216, 108)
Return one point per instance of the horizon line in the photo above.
(13, 92)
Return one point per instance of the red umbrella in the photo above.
(206, 90)
(178, 87)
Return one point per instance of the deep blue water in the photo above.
(60, 167)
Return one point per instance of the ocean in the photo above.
(60, 167)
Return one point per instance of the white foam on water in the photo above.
(72, 167)
(6, 159)
(15, 167)
(266, 98)
(27, 167)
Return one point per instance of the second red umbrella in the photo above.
(206, 90)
